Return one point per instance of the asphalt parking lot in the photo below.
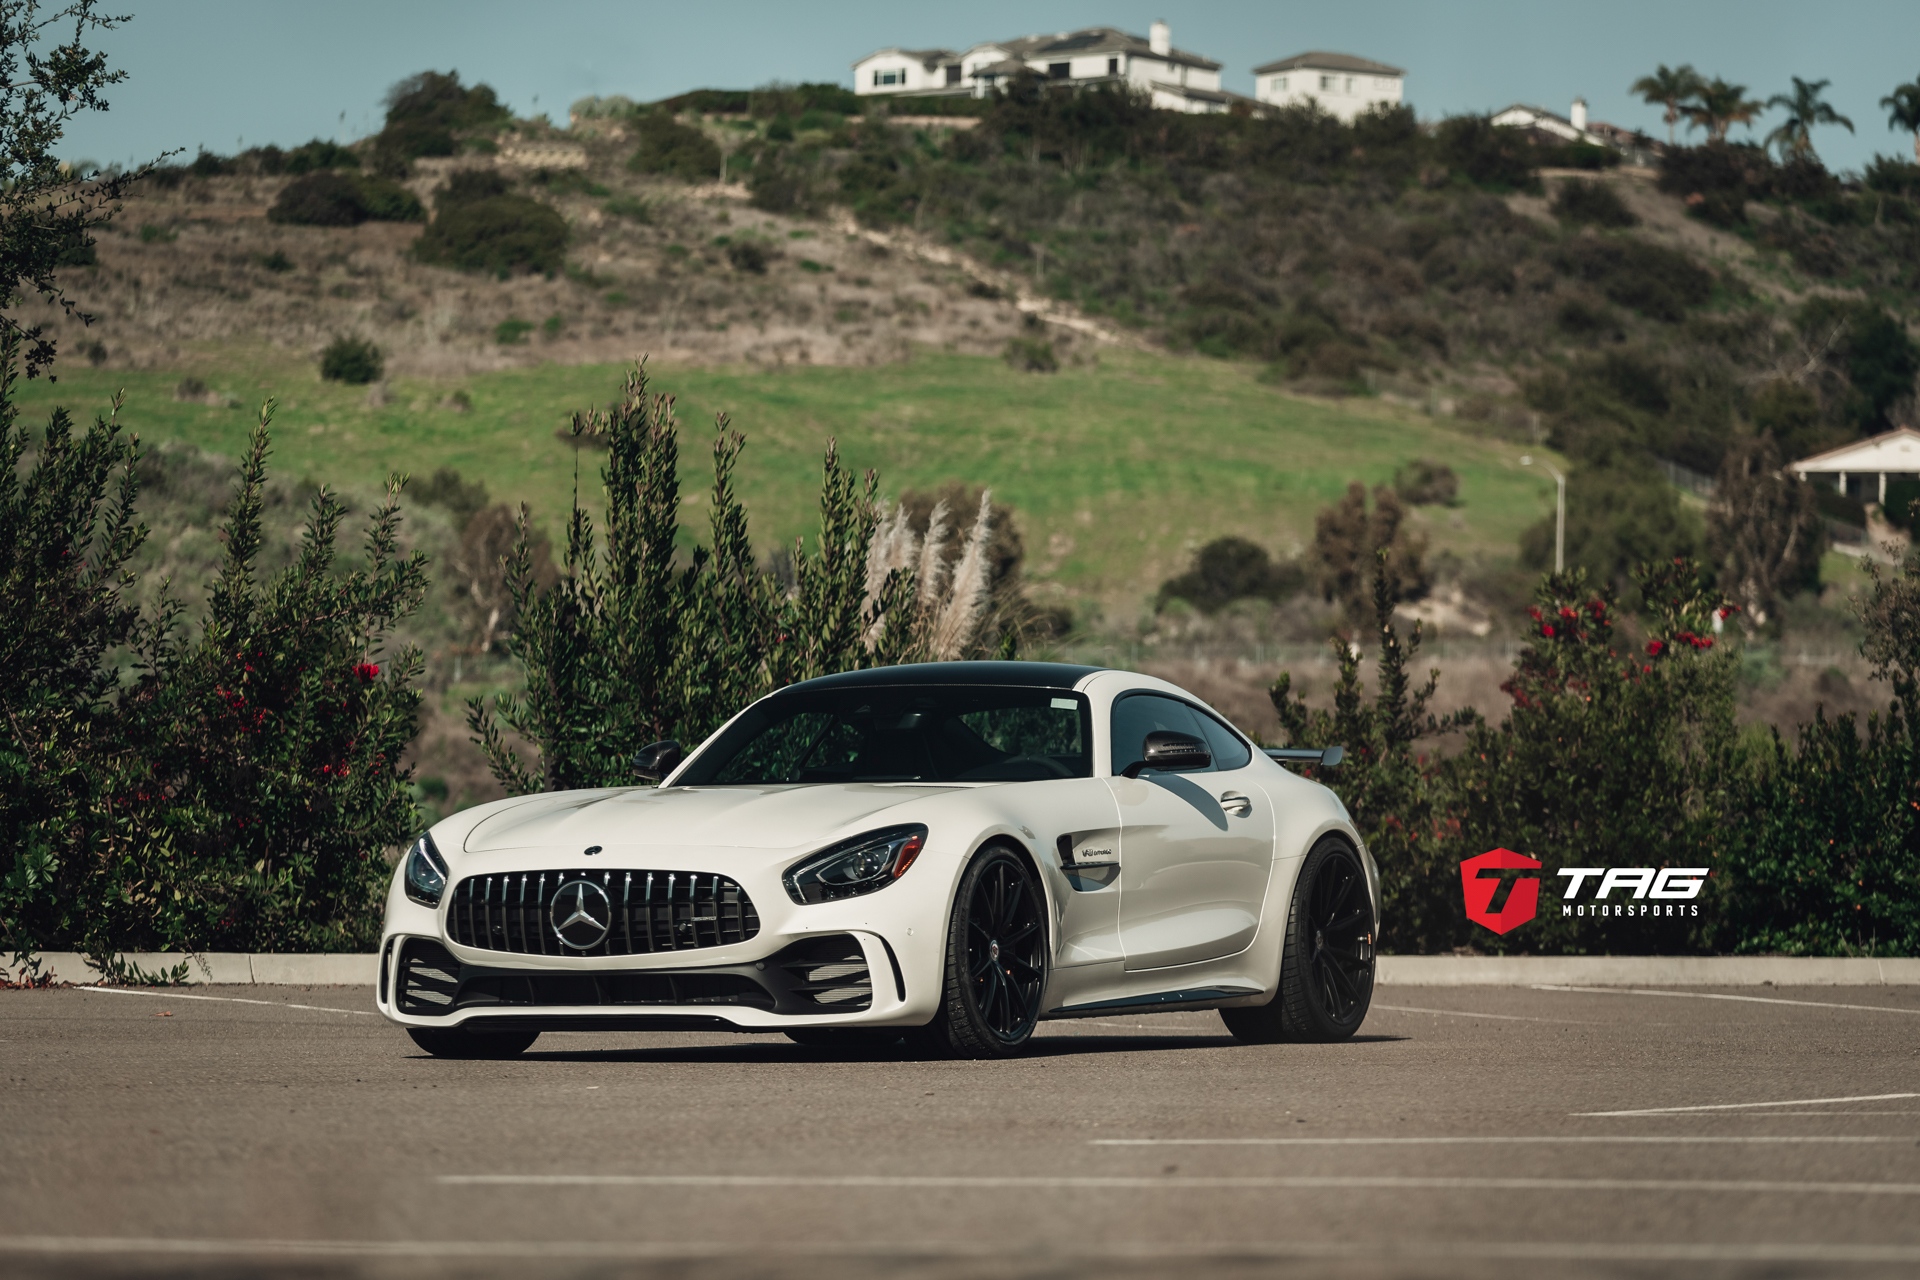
(1467, 1131)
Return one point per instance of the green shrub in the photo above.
(318, 154)
(631, 644)
(1594, 204)
(242, 789)
(429, 114)
(630, 208)
(511, 332)
(497, 233)
(1897, 507)
(1426, 483)
(671, 148)
(330, 198)
(1031, 355)
(448, 489)
(277, 262)
(1656, 281)
(748, 255)
(351, 360)
(1229, 569)
(1488, 155)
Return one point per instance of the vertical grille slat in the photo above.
(652, 912)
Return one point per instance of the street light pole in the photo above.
(1559, 512)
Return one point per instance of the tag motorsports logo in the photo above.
(1656, 891)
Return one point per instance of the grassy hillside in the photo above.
(1116, 469)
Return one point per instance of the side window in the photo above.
(1138, 714)
(1229, 752)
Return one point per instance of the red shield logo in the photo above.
(1521, 901)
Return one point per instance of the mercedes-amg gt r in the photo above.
(948, 853)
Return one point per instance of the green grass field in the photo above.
(1117, 470)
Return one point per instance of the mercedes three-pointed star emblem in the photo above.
(581, 914)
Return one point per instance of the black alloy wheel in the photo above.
(459, 1042)
(997, 956)
(1326, 969)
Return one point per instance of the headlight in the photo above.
(853, 867)
(426, 873)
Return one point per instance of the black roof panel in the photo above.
(1032, 675)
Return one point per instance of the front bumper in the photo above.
(815, 980)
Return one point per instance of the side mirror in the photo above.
(1165, 749)
(656, 760)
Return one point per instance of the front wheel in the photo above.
(1326, 969)
(996, 967)
(458, 1042)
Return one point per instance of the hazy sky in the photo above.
(227, 73)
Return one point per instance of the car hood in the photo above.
(781, 817)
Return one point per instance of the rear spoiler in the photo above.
(1325, 757)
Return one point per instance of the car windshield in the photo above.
(902, 733)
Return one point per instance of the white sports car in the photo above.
(948, 852)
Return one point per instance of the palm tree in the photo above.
(1669, 88)
(1805, 108)
(1718, 106)
(1903, 112)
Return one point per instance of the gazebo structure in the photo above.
(1863, 469)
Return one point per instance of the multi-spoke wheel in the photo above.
(996, 960)
(1326, 969)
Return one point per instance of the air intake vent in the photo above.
(830, 974)
(429, 979)
(648, 912)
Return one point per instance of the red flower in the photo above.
(1546, 630)
(1568, 613)
(367, 671)
(1655, 648)
(1534, 612)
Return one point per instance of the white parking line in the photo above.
(1743, 1106)
(1712, 995)
(1481, 1140)
(920, 1248)
(1466, 1013)
(1097, 1183)
(271, 1004)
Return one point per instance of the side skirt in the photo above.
(1157, 1002)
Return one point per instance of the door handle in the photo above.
(1236, 804)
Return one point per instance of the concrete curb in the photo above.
(1647, 971)
(228, 967)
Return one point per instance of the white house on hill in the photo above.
(1338, 83)
(1175, 79)
(1635, 147)
(1862, 470)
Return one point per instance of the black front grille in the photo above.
(653, 911)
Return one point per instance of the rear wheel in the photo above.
(458, 1042)
(1326, 969)
(996, 967)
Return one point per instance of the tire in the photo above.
(458, 1042)
(996, 964)
(1327, 964)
